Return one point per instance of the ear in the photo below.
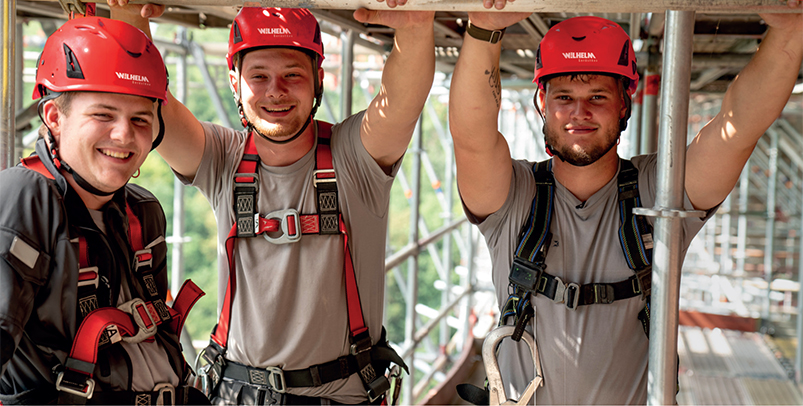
(540, 99)
(51, 115)
(234, 77)
(320, 76)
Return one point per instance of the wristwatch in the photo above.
(485, 35)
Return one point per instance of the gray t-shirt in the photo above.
(598, 353)
(289, 309)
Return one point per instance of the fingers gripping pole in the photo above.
(495, 384)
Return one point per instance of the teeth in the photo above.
(119, 155)
(278, 110)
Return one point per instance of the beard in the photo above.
(581, 156)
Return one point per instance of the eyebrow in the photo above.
(113, 108)
(287, 66)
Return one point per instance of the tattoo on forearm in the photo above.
(496, 85)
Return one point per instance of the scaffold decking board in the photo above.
(719, 367)
(586, 6)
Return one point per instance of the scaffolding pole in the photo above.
(667, 254)
(412, 264)
(8, 127)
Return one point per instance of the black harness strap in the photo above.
(528, 272)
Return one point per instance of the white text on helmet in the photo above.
(275, 31)
(579, 55)
(133, 78)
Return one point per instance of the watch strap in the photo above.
(484, 35)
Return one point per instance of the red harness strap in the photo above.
(289, 222)
(133, 321)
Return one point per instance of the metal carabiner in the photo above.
(497, 395)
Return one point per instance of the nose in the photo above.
(123, 131)
(276, 88)
(580, 109)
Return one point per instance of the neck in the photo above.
(273, 154)
(90, 200)
(584, 181)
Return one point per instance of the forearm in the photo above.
(760, 92)
(408, 74)
(475, 95)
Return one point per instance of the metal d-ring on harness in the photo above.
(249, 223)
(528, 274)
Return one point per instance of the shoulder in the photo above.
(350, 126)
(144, 204)
(24, 188)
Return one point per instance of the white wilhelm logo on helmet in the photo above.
(275, 31)
(135, 79)
(580, 56)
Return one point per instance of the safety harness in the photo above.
(134, 321)
(328, 221)
(528, 274)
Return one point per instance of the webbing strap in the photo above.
(534, 232)
(635, 233)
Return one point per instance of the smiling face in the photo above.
(582, 116)
(278, 90)
(104, 137)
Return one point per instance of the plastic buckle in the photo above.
(89, 384)
(291, 226)
(276, 379)
(144, 332)
(164, 389)
(316, 180)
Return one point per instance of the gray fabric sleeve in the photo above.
(356, 166)
(221, 143)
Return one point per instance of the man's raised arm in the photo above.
(753, 101)
(481, 153)
(184, 141)
(390, 119)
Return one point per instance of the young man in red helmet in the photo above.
(582, 288)
(300, 316)
(83, 317)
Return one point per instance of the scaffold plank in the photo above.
(589, 6)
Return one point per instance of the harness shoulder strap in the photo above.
(35, 164)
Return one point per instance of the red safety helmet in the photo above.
(97, 54)
(586, 45)
(257, 27)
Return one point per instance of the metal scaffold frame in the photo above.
(755, 200)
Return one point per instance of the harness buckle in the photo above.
(316, 180)
(603, 293)
(75, 389)
(642, 283)
(142, 258)
(276, 379)
(525, 274)
(138, 310)
(567, 293)
(164, 389)
(290, 226)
